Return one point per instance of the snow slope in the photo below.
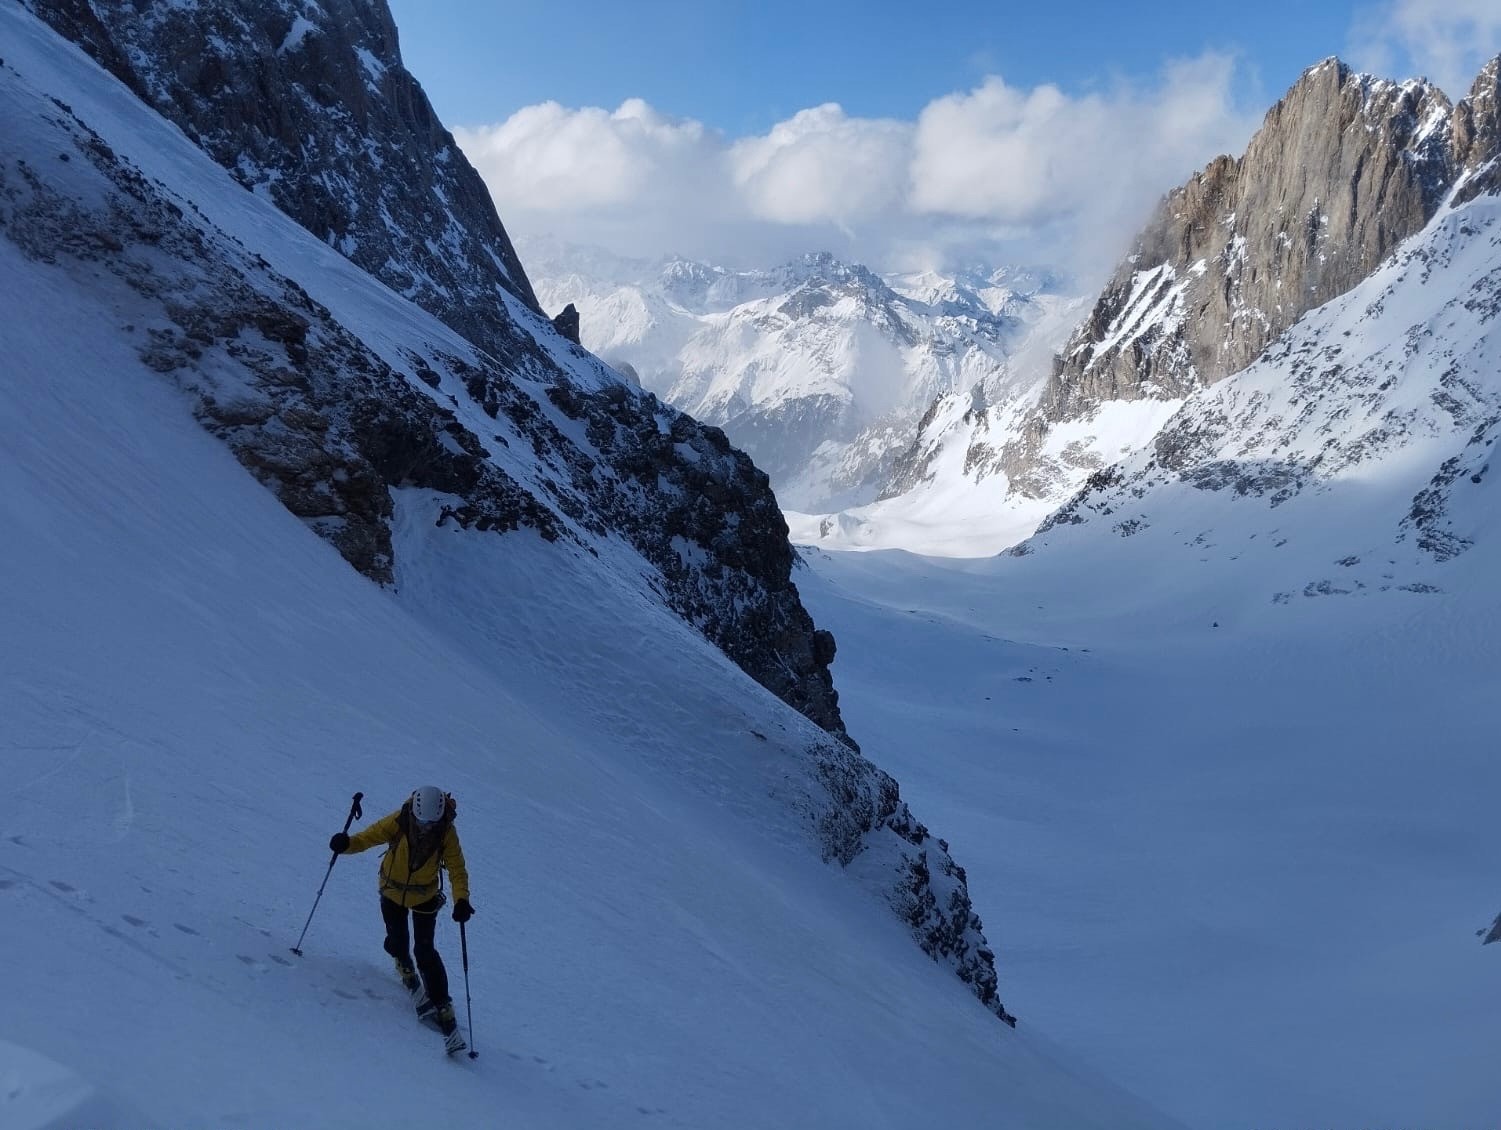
(194, 684)
(1221, 738)
(1240, 849)
(960, 503)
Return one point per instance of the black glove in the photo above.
(338, 843)
(462, 911)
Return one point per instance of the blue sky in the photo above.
(742, 67)
(748, 133)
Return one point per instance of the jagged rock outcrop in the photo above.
(870, 818)
(566, 322)
(1475, 136)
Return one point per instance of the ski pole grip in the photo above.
(354, 811)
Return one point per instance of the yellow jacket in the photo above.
(409, 869)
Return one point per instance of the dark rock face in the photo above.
(1475, 136)
(567, 323)
(310, 105)
(1344, 169)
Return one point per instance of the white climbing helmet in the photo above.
(427, 804)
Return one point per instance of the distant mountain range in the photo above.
(955, 414)
(820, 370)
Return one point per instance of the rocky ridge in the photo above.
(1370, 425)
(334, 408)
(309, 104)
(1344, 169)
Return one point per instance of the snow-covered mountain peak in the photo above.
(818, 367)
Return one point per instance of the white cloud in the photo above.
(821, 166)
(1447, 41)
(1032, 157)
(553, 159)
(1039, 175)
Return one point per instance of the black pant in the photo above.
(424, 921)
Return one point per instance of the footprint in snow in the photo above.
(184, 929)
(67, 888)
(133, 920)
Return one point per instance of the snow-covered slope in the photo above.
(331, 405)
(820, 370)
(193, 687)
(1243, 846)
(661, 852)
(951, 495)
(1237, 699)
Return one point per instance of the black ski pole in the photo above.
(354, 814)
(468, 1004)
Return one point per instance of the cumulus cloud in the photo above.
(823, 167)
(1447, 41)
(1037, 175)
(551, 159)
(1093, 164)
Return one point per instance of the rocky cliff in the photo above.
(1344, 168)
(309, 105)
(1355, 456)
(337, 393)
(1475, 136)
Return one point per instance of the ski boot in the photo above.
(413, 985)
(453, 1039)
